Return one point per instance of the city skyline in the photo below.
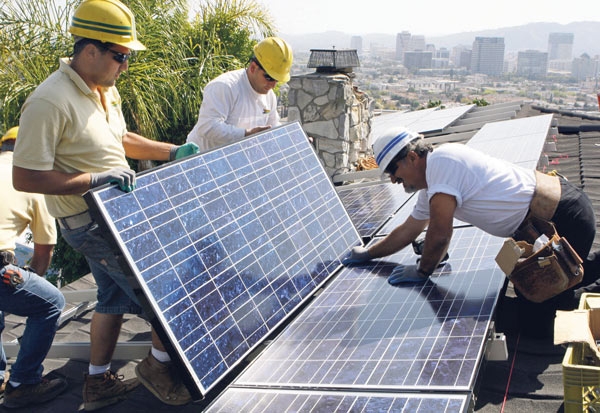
(431, 18)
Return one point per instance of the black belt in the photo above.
(75, 221)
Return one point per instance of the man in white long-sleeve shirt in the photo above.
(242, 102)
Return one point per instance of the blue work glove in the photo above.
(124, 177)
(406, 274)
(357, 255)
(187, 149)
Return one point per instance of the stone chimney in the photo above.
(332, 110)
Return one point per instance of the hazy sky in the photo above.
(427, 17)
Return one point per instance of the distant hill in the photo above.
(532, 36)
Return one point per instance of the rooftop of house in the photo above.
(529, 380)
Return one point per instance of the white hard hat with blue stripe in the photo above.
(387, 146)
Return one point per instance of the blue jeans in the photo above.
(42, 304)
(2, 353)
(115, 295)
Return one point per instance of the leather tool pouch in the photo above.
(552, 269)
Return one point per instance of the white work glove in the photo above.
(406, 274)
(124, 177)
(357, 255)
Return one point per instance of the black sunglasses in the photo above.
(117, 56)
(265, 74)
(120, 57)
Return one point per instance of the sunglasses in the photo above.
(117, 56)
(265, 74)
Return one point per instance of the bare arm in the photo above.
(439, 231)
(138, 147)
(42, 255)
(50, 182)
(399, 238)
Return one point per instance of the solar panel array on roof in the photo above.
(371, 206)
(221, 247)
(362, 334)
(519, 141)
(421, 121)
(288, 401)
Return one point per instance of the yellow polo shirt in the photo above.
(20, 209)
(64, 127)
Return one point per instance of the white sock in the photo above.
(161, 356)
(92, 370)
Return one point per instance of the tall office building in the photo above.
(560, 46)
(560, 51)
(417, 59)
(417, 42)
(584, 67)
(356, 43)
(402, 44)
(532, 64)
(488, 55)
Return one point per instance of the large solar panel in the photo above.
(362, 334)
(519, 141)
(284, 401)
(422, 121)
(221, 247)
(371, 206)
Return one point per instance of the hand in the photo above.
(406, 274)
(124, 177)
(187, 149)
(257, 129)
(357, 255)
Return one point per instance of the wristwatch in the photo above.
(423, 273)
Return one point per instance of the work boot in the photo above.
(104, 389)
(27, 394)
(5, 382)
(163, 381)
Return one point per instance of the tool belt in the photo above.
(552, 269)
(546, 196)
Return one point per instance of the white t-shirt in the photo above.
(230, 106)
(490, 193)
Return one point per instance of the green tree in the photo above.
(161, 91)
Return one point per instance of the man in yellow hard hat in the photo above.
(242, 102)
(24, 291)
(73, 137)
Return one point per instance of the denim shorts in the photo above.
(115, 295)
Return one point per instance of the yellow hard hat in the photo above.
(275, 56)
(10, 134)
(109, 21)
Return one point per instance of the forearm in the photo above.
(141, 148)
(399, 238)
(436, 245)
(42, 256)
(50, 182)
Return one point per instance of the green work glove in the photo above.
(187, 149)
(124, 177)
